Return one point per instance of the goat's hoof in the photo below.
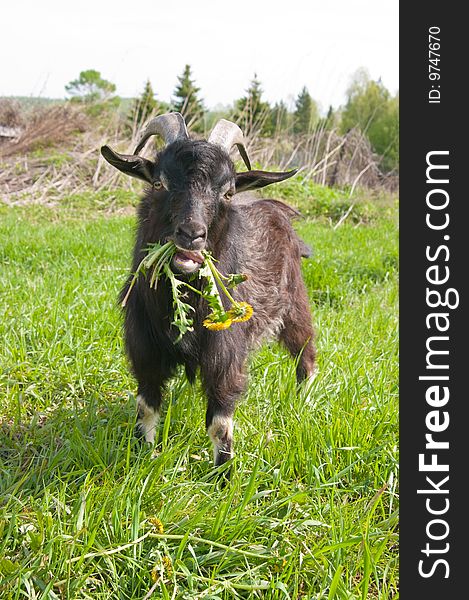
(139, 433)
(220, 478)
(141, 436)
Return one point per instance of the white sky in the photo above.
(44, 44)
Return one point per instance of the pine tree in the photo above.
(142, 107)
(306, 112)
(90, 87)
(187, 102)
(251, 112)
(330, 121)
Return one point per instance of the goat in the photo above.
(190, 201)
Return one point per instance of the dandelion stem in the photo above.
(193, 538)
(217, 276)
(193, 289)
(108, 552)
(227, 584)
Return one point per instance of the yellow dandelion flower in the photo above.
(217, 325)
(167, 565)
(157, 524)
(155, 574)
(240, 311)
(279, 567)
(164, 569)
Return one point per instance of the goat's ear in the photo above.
(251, 180)
(130, 164)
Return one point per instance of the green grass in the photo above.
(311, 511)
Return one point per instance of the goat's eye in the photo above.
(157, 185)
(228, 195)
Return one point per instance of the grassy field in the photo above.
(85, 512)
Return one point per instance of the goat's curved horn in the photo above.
(170, 127)
(227, 134)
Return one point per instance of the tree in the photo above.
(252, 112)
(366, 102)
(90, 87)
(186, 100)
(386, 137)
(330, 121)
(371, 108)
(280, 118)
(144, 107)
(306, 112)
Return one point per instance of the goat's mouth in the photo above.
(187, 261)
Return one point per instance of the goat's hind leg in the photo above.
(298, 337)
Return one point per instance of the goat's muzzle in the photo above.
(190, 237)
(187, 261)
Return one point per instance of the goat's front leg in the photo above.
(220, 431)
(150, 368)
(223, 386)
(151, 380)
(148, 412)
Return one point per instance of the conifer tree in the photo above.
(252, 112)
(330, 121)
(306, 112)
(95, 93)
(143, 107)
(187, 102)
(90, 87)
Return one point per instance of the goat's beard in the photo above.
(187, 261)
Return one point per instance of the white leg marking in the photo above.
(220, 431)
(147, 420)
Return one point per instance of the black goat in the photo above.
(190, 202)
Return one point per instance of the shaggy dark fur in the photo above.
(246, 235)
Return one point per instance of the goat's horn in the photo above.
(170, 127)
(227, 134)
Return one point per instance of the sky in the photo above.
(289, 44)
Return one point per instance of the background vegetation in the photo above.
(355, 143)
(88, 513)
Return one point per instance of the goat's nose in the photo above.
(191, 232)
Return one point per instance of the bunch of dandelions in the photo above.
(158, 261)
(220, 318)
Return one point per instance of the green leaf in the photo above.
(335, 582)
(234, 279)
(8, 567)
